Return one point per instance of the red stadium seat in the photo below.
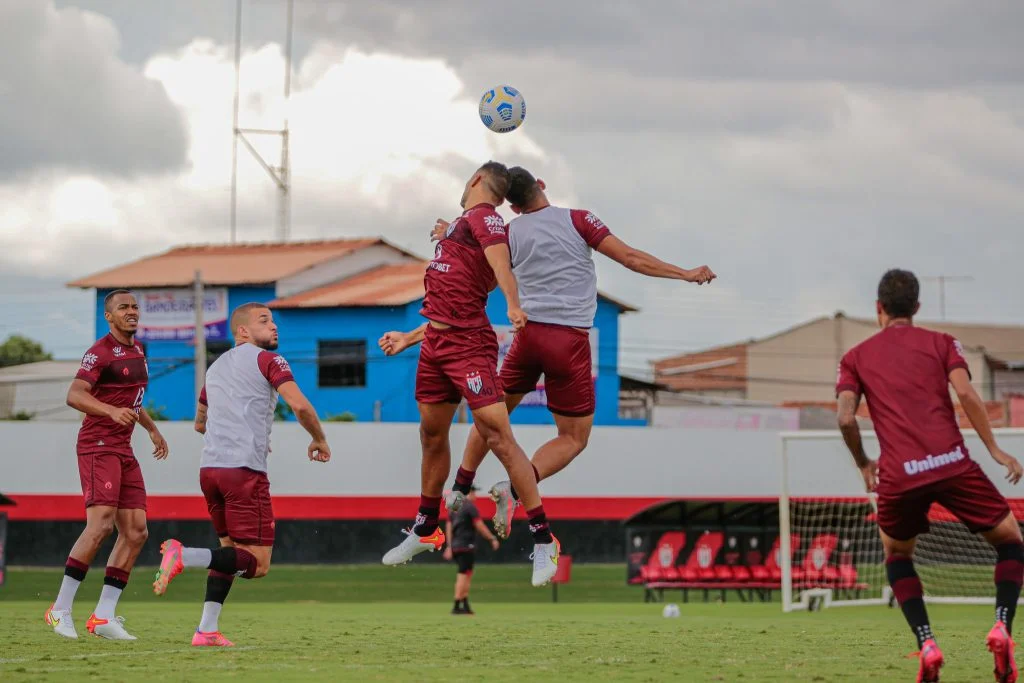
(661, 565)
(816, 560)
(700, 565)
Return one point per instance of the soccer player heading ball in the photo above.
(459, 359)
(904, 372)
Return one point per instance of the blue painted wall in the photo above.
(388, 380)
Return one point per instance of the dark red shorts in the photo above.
(562, 355)
(971, 497)
(112, 480)
(239, 503)
(456, 364)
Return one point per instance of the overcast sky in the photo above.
(798, 147)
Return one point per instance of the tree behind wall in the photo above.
(18, 350)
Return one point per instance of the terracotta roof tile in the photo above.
(389, 285)
(224, 264)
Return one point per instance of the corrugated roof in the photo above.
(226, 264)
(389, 285)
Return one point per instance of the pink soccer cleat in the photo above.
(1000, 644)
(931, 661)
(212, 639)
(170, 566)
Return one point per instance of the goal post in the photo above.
(830, 553)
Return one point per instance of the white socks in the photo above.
(66, 596)
(108, 602)
(196, 557)
(211, 613)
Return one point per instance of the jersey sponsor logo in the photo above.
(912, 467)
(434, 265)
(959, 348)
(495, 224)
(593, 220)
(474, 382)
(89, 361)
(282, 364)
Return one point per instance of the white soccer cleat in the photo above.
(413, 545)
(111, 629)
(504, 508)
(545, 561)
(453, 501)
(62, 623)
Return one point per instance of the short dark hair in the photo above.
(522, 187)
(240, 316)
(109, 298)
(496, 178)
(898, 292)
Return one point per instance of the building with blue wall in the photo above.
(332, 300)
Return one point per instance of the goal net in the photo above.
(830, 552)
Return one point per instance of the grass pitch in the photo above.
(371, 623)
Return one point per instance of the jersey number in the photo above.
(137, 403)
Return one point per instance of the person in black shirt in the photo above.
(461, 532)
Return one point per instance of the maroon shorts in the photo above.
(239, 503)
(562, 355)
(112, 480)
(457, 363)
(971, 497)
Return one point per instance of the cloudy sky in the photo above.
(799, 147)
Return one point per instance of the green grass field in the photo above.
(392, 624)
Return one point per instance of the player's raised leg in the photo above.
(492, 421)
(131, 537)
(425, 534)
(1009, 573)
(99, 524)
(909, 593)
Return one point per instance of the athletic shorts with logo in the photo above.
(238, 500)
(562, 355)
(457, 363)
(971, 497)
(112, 480)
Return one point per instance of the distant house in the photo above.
(332, 300)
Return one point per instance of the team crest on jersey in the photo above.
(474, 382)
(118, 352)
(89, 361)
(450, 230)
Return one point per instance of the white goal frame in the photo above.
(816, 598)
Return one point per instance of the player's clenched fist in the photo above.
(123, 416)
(701, 275)
(319, 451)
(517, 317)
(392, 343)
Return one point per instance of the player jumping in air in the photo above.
(461, 529)
(109, 389)
(459, 359)
(234, 415)
(552, 260)
(905, 372)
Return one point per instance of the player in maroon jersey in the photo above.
(459, 359)
(109, 389)
(905, 372)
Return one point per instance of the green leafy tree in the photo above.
(18, 350)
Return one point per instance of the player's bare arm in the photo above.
(394, 343)
(978, 415)
(500, 259)
(200, 423)
(160, 448)
(482, 529)
(81, 399)
(448, 534)
(305, 413)
(641, 262)
(847, 414)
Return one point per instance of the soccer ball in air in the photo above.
(502, 109)
(670, 611)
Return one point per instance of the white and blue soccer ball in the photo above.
(670, 611)
(502, 109)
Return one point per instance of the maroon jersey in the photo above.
(118, 375)
(904, 373)
(459, 278)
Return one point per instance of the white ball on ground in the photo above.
(670, 611)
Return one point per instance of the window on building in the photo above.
(341, 363)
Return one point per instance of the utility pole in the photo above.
(198, 296)
(281, 174)
(942, 280)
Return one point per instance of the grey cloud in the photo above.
(71, 103)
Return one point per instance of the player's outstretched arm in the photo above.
(976, 412)
(500, 260)
(305, 413)
(81, 399)
(847, 415)
(393, 343)
(160, 448)
(647, 264)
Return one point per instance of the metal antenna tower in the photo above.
(281, 174)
